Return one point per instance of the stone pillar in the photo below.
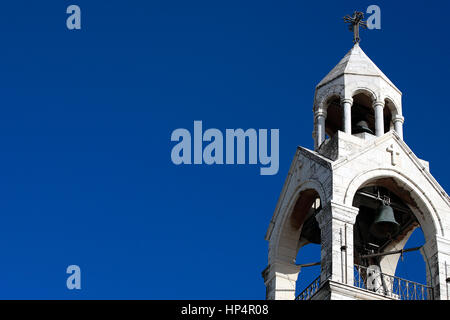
(379, 121)
(346, 104)
(336, 228)
(398, 125)
(436, 253)
(280, 279)
(320, 124)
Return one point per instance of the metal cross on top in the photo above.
(355, 22)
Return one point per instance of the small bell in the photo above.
(384, 225)
(362, 126)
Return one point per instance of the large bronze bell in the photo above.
(384, 226)
(362, 126)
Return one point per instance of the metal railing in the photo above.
(371, 279)
(310, 290)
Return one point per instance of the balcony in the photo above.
(310, 290)
(379, 283)
(391, 286)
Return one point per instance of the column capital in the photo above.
(344, 213)
(347, 100)
(282, 269)
(398, 118)
(320, 113)
(377, 103)
(340, 212)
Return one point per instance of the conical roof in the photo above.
(355, 62)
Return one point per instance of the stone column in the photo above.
(320, 124)
(280, 279)
(398, 125)
(346, 104)
(379, 121)
(336, 228)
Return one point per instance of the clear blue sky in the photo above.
(86, 117)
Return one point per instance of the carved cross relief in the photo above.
(395, 154)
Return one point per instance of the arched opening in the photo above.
(389, 112)
(363, 115)
(291, 228)
(333, 122)
(309, 242)
(384, 224)
(370, 200)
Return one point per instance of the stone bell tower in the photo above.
(361, 175)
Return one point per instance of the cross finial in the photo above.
(355, 22)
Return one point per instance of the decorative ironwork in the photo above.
(391, 286)
(310, 290)
(370, 279)
(355, 22)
